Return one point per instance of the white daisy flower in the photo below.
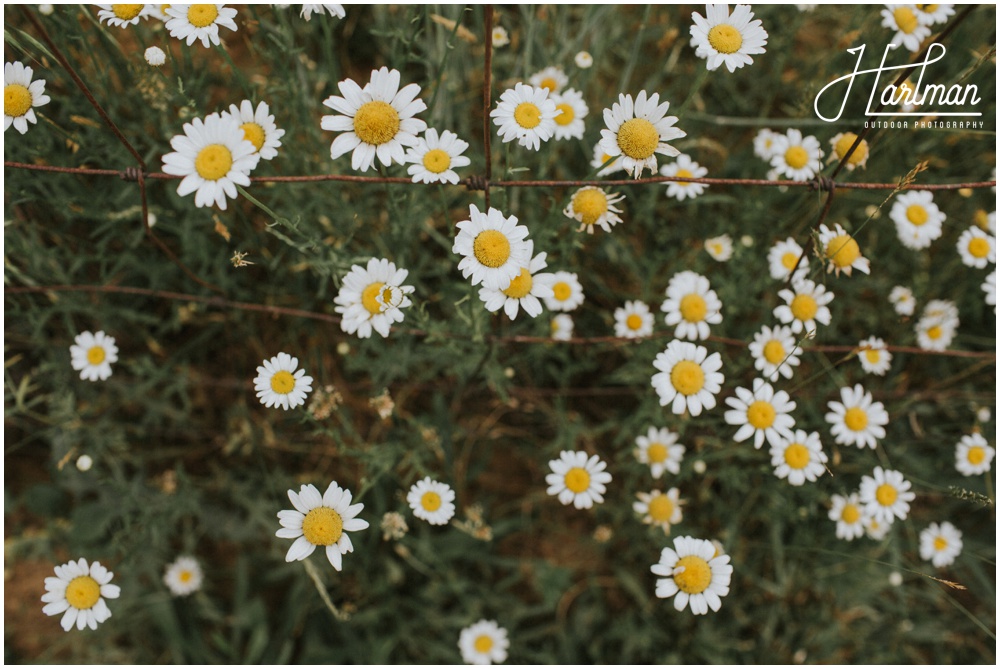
(775, 351)
(902, 300)
(20, 96)
(79, 590)
(494, 248)
(571, 111)
(121, 15)
(638, 130)
(155, 56)
(183, 576)
(977, 248)
(320, 521)
(781, 260)
(796, 157)
(910, 32)
(526, 114)
(158, 12)
(483, 642)
(849, 515)
(940, 309)
(689, 377)
(842, 143)
(600, 158)
(764, 144)
(940, 544)
(92, 355)
(695, 575)
(499, 37)
(583, 60)
(805, 305)
(567, 293)
(372, 298)
(278, 384)
(434, 157)
(874, 528)
(199, 22)
(841, 250)
(258, 127)
(720, 248)
(633, 320)
(857, 419)
(659, 509)
(592, 206)
(918, 220)
(561, 327)
(798, 457)
(937, 325)
(973, 455)
(336, 11)
(761, 413)
(684, 168)
(691, 305)
(214, 156)
(551, 78)
(989, 287)
(928, 15)
(659, 449)
(727, 40)
(886, 495)
(578, 478)
(432, 501)
(874, 357)
(374, 121)
(525, 291)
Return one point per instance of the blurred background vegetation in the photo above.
(188, 461)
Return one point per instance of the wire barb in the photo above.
(131, 174)
(476, 182)
(822, 184)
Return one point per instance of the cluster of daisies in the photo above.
(799, 157)
(913, 23)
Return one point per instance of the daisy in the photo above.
(928, 15)
(874, 357)
(432, 501)
(494, 248)
(977, 248)
(92, 355)
(761, 413)
(551, 78)
(694, 574)
(320, 521)
(121, 15)
(940, 544)
(158, 11)
(499, 37)
(583, 60)
(592, 206)
(214, 156)
(796, 157)
(989, 287)
(842, 143)
(336, 11)
(571, 111)
(526, 114)
(910, 32)
(659, 449)
(600, 158)
(567, 293)
(20, 95)
(727, 40)
(842, 251)
(79, 589)
(638, 130)
(279, 385)
(886, 495)
(857, 419)
(155, 56)
(258, 127)
(525, 290)
(433, 158)
(183, 576)
(199, 22)
(374, 121)
(973, 455)
(782, 258)
(561, 327)
(902, 300)
(918, 220)
(798, 457)
(633, 320)
(937, 325)
(764, 144)
(848, 513)
(684, 168)
(691, 305)
(775, 351)
(372, 298)
(659, 509)
(689, 377)
(578, 479)
(805, 305)
(720, 248)
(483, 642)
(874, 528)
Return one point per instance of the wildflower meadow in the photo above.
(524, 334)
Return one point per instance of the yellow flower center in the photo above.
(696, 575)
(930, 9)
(886, 495)
(851, 514)
(725, 39)
(940, 543)
(96, 355)
(213, 162)
(804, 307)
(590, 204)
(562, 291)
(369, 295)
(185, 576)
(83, 592)
(322, 526)
(376, 122)
(638, 138)
(634, 321)
(842, 250)
(844, 144)
(979, 247)
(796, 157)
(934, 332)
(437, 161)
(16, 100)
(981, 219)
(657, 452)
(527, 115)
(577, 479)
(549, 83)
(774, 352)
(126, 12)
(253, 133)
(661, 508)
(693, 308)
(796, 456)
(916, 214)
(483, 643)
(431, 501)
(761, 414)
(491, 248)
(520, 285)
(684, 174)
(567, 115)
(872, 355)
(282, 382)
(687, 377)
(976, 455)
(906, 20)
(856, 419)
(202, 16)
(789, 259)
